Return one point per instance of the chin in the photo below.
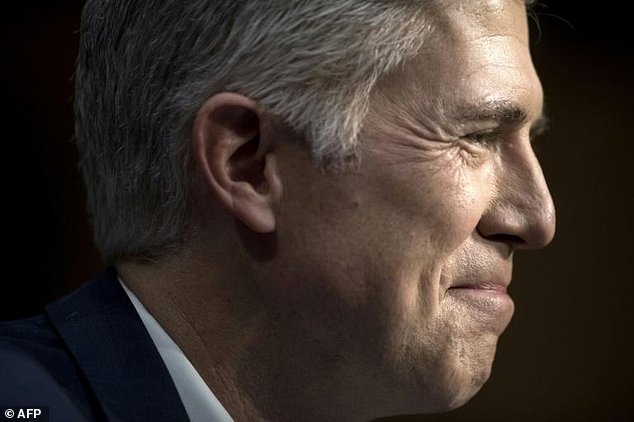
(460, 378)
(442, 399)
(465, 380)
(442, 368)
(451, 387)
(467, 390)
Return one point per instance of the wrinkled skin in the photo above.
(377, 291)
(395, 275)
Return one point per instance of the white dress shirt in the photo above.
(199, 401)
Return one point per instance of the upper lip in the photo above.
(479, 268)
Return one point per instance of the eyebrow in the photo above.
(503, 112)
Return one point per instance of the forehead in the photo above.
(471, 27)
(478, 53)
(480, 15)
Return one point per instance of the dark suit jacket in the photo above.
(92, 348)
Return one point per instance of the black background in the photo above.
(567, 355)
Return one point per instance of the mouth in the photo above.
(484, 288)
(493, 284)
(490, 301)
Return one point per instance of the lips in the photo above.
(498, 287)
(484, 303)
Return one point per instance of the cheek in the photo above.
(375, 242)
(437, 203)
(427, 212)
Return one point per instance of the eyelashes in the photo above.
(536, 134)
(491, 137)
(484, 138)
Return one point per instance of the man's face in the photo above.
(394, 276)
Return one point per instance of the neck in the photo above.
(251, 354)
(212, 319)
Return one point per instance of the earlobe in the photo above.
(236, 163)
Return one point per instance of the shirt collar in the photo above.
(199, 401)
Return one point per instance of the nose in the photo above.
(521, 212)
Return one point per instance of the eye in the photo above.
(536, 133)
(538, 128)
(482, 138)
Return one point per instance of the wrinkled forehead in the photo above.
(469, 34)
(454, 18)
(478, 53)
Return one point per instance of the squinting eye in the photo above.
(536, 134)
(483, 138)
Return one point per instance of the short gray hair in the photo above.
(145, 68)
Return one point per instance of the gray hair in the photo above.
(146, 67)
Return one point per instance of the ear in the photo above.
(236, 161)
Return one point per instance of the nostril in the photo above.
(509, 239)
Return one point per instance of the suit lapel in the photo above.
(112, 347)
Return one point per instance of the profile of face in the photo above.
(393, 277)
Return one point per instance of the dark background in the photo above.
(567, 354)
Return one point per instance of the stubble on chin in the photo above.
(447, 359)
